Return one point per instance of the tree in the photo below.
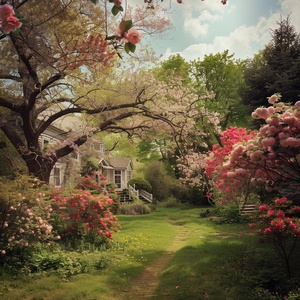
(64, 63)
(220, 77)
(276, 69)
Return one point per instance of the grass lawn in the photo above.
(205, 261)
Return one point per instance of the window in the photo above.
(118, 176)
(102, 148)
(56, 176)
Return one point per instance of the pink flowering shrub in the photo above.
(229, 185)
(25, 214)
(272, 156)
(83, 216)
(279, 223)
(8, 22)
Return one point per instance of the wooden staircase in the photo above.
(129, 194)
(247, 209)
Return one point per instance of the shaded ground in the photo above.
(145, 286)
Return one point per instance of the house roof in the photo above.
(120, 163)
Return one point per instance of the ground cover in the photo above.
(169, 254)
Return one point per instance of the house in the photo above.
(67, 169)
(116, 170)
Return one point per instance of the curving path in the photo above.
(145, 286)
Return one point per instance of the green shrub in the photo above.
(170, 202)
(135, 209)
(160, 181)
(227, 215)
(140, 184)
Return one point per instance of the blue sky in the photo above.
(205, 27)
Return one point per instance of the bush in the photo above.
(170, 202)
(160, 181)
(82, 216)
(140, 184)
(25, 214)
(230, 214)
(135, 209)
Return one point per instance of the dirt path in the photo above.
(144, 287)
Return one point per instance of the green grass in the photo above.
(220, 262)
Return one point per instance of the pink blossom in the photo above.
(262, 207)
(133, 36)
(8, 22)
(117, 2)
(270, 212)
(273, 99)
(3, 252)
(267, 230)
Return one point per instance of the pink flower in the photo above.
(280, 214)
(281, 200)
(117, 2)
(8, 22)
(262, 207)
(133, 36)
(3, 252)
(270, 212)
(273, 99)
(267, 230)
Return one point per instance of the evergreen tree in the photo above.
(276, 69)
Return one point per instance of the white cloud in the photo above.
(292, 7)
(244, 41)
(198, 26)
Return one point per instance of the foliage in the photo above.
(220, 76)
(83, 216)
(229, 214)
(25, 214)
(136, 208)
(42, 260)
(160, 181)
(279, 223)
(275, 69)
(170, 202)
(140, 184)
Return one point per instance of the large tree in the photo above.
(276, 69)
(63, 62)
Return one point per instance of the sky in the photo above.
(241, 26)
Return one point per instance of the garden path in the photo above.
(145, 286)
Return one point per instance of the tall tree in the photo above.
(276, 69)
(220, 77)
(63, 62)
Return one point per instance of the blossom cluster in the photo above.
(273, 154)
(23, 224)
(279, 219)
(83, 212)
(8, 22)
(227, 182)
(88, 52)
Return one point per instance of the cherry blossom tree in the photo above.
(64, 63)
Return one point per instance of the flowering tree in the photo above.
(272, 156)
(65, 65)
(279, 223)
